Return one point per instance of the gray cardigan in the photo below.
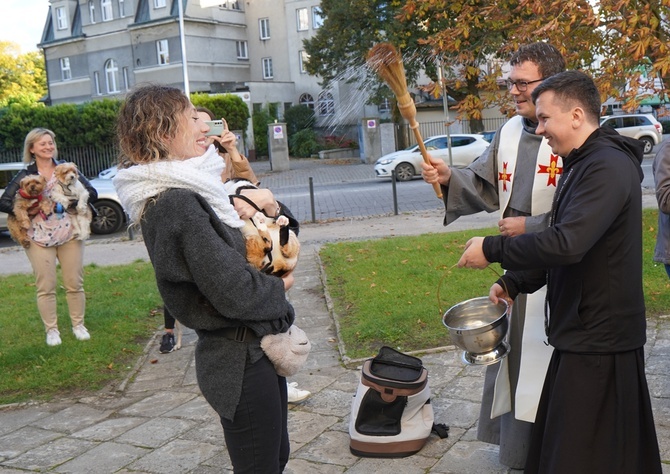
(661, 169)
(206, 283)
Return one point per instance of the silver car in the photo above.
(465, 148)
(111, 216)
(643, 127)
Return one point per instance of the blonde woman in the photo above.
(52, 240)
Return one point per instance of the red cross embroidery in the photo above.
(553, 170)
(504, 177)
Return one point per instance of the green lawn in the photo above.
(120, 315)
(393, 291)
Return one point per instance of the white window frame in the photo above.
(307, 100)
(163, 52)
(91, 12)
(268, 72)
(302, 19)
(384, 105)
(96, 82)
(264, 28)
(106, 9)
(122, 9)
(126, 79)
(61, 18)
(303, 57)
(111, 76)
(242, 49)
(160, 4)
(317, 18)
(326, 104)
(65, 71)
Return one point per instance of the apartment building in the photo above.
(97, 49)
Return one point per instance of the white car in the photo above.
(643, 127)
(465, 148)
(110, 215)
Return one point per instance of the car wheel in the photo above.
(648, 144)
(109, 218)
(404, 172)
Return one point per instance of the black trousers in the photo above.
(257, 438)
(594, 417)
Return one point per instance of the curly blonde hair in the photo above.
(148, 120)
(34, 136)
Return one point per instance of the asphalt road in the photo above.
(360, 197)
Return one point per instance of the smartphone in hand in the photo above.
(216, 127)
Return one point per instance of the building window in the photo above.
(302, 59)
(302, 19)
(307, 100)
(317, 18)
(122, 8)
(91, 12)
(326, 104)
(267, 68)
(163, 52)
(385, 105)
(242, 50)
(65, 72)
(159, 3)
(264, 26)
(126, 80)
(106, 7)
(96, 82)
(61, 18)
(111, 71)
(232, 5)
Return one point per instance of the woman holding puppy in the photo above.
(170, 183)
(52, 239)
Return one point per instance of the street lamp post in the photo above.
(445, 104)
(182, 40)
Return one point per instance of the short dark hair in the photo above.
(573, 87)
(548, 59)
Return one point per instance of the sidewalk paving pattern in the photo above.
(156, 421)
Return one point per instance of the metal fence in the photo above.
(429, 129)
(90, 160)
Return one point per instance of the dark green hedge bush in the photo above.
(92, 124)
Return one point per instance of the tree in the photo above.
(22, 76)
(350, 28)
(618, 41)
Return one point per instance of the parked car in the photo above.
(111, 215)
(7, 172)
(465, 148)
(644, 127)
(488, 135)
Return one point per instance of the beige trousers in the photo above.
(44, 260)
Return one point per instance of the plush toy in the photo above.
(288, 350)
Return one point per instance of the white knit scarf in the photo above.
(202, 175)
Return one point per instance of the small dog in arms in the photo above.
(272, 246)
(29, 202)
(73, 196)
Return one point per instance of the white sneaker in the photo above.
(53, 337)
(296, 395)
(81, 333)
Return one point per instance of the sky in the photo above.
(22, 21)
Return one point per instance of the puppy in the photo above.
(272, 246)
(73, 196)
(29, 201)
